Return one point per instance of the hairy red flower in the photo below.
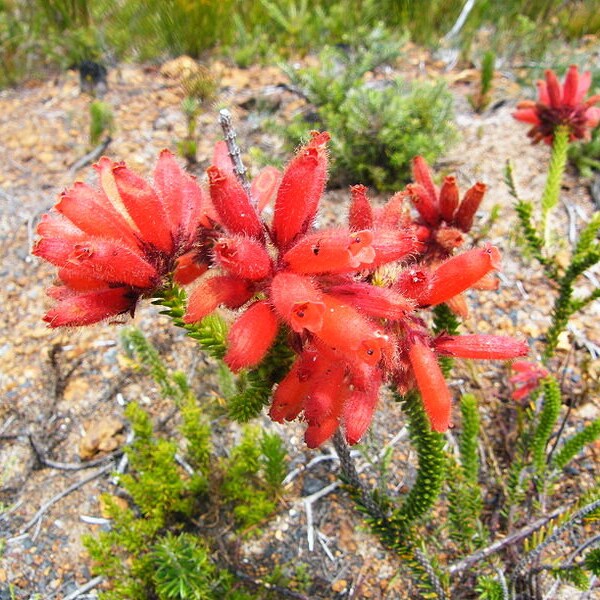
(436, 396)
(250, 336)
(561, 106)
(483, 347)
(115, 243)
(526, 379)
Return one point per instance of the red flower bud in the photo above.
(449, 238)
(327, 394)
(214, 291)
(448, 198)
(432, 385)
(244, 257)
(485, 347)
(346, 331)
(291, 392)
(373, 300)
(188, 268)
(393, 245)
(318, 434)
(183, 197)
(424, 203)
(112, 263)
(422, 176)
(298, 300)
(301, 187)
(469, 205)
(358, 409)
(232, 204)
(90, 307)
(251, 336)
(143, 205)
(460, 273)
(360, 214)
(394, 213)
(333, 251)
(83, 206)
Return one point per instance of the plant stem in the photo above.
(556, 169)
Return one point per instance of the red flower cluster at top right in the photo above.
(561, 106)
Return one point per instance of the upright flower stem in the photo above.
(556, 169)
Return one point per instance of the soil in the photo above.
(63, 390)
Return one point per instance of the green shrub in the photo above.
(377, 126)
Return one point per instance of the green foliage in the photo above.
(376, 127)
(556, 170)
(464, 499)
(211, 332)
(573, 575)
(147, 550)
(481, 100)
(445, 321)
(101, 122)
(489, 589)
(547, 419)
(564, 305)
(182, 568)
(592, 561)
(575, 444)
(586, 155)
(252, 477)
(432, 461)
(254, 386)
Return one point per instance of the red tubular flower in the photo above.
(317, 434)
(449, 198)
(459, 273)
(468, 207)
(435, 394)
(333, 251)
(301, 188)
(358, 409)
(360, 214)
(124, 235)
(527, 378)
(251, 336)
(188, 269)
(486, 347)
(83, 206)
(374, 301)
(561, 105)
(292, 390)
(232, 204)
(424, 203)
(327, 395)
(242, 256)
(215, 291)
(345, 330)
(188, 208)
(422, 176)
(143, 205)
(298, 300)
(76, 309)
(393, 245)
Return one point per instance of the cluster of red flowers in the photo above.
(348, 297)
(561, 106)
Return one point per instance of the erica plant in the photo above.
(348, 302)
